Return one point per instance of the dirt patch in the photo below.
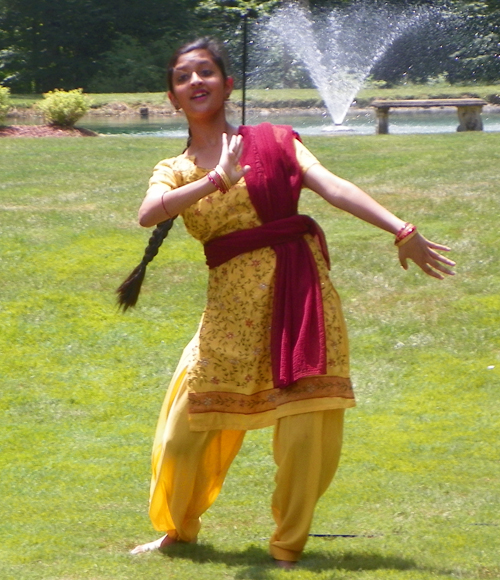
(44, 131)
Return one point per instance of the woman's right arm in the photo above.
(161, 204)
(164, 200)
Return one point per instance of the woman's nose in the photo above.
(195, 79)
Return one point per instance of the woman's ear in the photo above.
(173, 100)
(229, 84)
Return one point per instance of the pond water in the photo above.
(356, 123)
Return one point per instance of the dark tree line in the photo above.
(122, 46)
(47, 44)
(459, 42)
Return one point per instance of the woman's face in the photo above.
(198, 86)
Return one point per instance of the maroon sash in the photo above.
(298, 342)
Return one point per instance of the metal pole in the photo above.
(244, 71)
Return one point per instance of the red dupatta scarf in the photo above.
(298, 346)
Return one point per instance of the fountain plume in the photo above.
(340, 48)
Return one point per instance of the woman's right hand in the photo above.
(230, 156)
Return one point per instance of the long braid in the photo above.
(128, 292)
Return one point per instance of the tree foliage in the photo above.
(112, 45)
(459, 42)
(226, 20)
(47, 44)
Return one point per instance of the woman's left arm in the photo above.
(349, 197)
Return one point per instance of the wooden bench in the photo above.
(469, 111)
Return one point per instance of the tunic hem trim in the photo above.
(240, 422)
(270, 399)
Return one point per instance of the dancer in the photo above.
(271, 348)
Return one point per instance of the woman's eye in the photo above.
(182, 78)
(207, 72)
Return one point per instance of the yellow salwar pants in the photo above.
(189, 468)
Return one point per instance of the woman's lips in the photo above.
(199, 95)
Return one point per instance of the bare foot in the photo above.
(161, 544)
(151, 546)
(285, 564)
(166, 541)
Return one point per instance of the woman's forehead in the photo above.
(193, 58)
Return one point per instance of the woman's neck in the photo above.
(206, 140)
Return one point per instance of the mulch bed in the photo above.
(44, 131)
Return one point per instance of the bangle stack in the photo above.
(219, 178)
(405, 234)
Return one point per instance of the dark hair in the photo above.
(128, 292)
(208, 44)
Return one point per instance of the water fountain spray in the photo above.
(340, 48)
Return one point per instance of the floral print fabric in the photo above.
(229, 372)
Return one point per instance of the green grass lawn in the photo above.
(81, 384)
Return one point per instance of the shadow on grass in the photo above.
(258, 565)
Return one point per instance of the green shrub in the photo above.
(4, 103)
(64, 108)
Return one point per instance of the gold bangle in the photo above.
(406, 238)
(406, 230)
(224, 176)
(217, 181)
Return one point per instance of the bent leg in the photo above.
(188, 467)
(307, 451)
(191, 473)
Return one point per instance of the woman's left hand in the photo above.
(230, 156)
(423, 253)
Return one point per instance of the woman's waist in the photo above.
(275, 233)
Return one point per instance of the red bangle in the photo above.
(404, 232)
(211, 178)
(217, 181)
(224, 177)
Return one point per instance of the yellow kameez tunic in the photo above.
(227, 366)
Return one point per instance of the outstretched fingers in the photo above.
(437, 246)
(232, 149)
(433, 267)
(236, 146)
(437, 261)
(424, 254)
(441, 258)
(230, 156)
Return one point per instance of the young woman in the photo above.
(271, 348)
